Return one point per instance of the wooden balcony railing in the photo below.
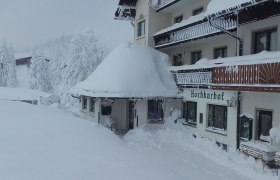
(161, 4)
(190, 33)
(193, 79)
(250, 77)
(256, 77)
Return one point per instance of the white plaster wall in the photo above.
(252, 101)
(207, 47)
(188, 10)
(246, 32)
(157, 22)
(202, 107)
(142, 9)
(120, 113)
(85, 112)
(141, 112)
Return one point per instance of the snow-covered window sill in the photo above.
(140, 37)
(92, 114)
(189, 124)
(217, 131)
(84, 111)
(155, 121)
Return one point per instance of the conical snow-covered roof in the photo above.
(130, 71)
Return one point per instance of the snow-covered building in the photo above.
(225, 98)
(131, 86)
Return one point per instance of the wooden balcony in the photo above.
(199, 78)
(193, 31)
(251, 77)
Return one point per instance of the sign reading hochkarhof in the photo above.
(208, 95)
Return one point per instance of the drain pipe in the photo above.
(238, 120)
(239, 53)
(240, 47)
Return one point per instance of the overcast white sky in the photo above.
(25, 23)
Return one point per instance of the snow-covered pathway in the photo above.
(189, 157)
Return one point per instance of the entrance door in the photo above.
(265, 124)
(131, 110)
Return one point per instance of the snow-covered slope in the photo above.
(41, 143)
(131, 70)
(21, 94)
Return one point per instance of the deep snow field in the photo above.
(45, 143)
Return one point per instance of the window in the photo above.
(177, 60)
(155, 110)
(84, 103)
(2, 65)
(196, 56)
(178, 19)
(265, 40)
(106, 108)
(217, 117)
(92, 103)
(197, 11)
(141, 29)
(265, 124)
(220, 52)
(189, 112)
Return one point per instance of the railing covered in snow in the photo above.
(193, 79)
(193, 32)
(161, 4)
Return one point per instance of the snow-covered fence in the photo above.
(193, 79)
(193, 32)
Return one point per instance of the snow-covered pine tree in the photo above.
(11, 77)
(39, 73)
(7, 66)
(84, 56)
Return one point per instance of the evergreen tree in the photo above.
(7, 66)
(11, 77)
(39, 74)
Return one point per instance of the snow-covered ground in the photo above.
(40, 142)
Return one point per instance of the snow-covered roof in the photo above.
(21, 94)
(183, 23)
(260, 58)
(214, 7)
(130, 71)
(219, 6)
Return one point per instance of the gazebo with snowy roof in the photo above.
(129, 87)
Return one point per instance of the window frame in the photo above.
(224, 50)
(186, 113)
(141, 34)
(176, 57)
(192, 56)
(268, 33)
(178, 19)
(92, 105)
(197, 11)
(259, 123)
(84, 103)
(211, 123)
